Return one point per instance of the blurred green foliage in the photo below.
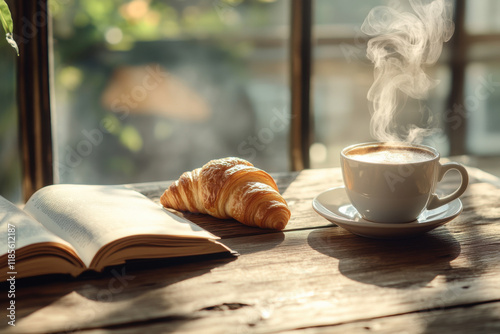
(88, 21)
(205, 42)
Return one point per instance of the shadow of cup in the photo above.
(404, 263)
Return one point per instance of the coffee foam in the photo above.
(390, 154)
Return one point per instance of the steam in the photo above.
(403, 45)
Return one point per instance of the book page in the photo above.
(90, 217)
(28, 231)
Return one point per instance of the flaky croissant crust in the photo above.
(230, 187)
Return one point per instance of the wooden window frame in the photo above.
(32, 33)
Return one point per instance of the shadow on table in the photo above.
(223, 228)
(255, 243)
(402, 264)
(85, 296)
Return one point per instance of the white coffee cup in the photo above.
(395, 182)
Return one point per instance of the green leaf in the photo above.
(6, 17)
(7, 24)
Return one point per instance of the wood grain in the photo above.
(479, 318)
(313, 277)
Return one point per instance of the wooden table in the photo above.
(313, 277)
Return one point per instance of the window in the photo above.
(343, 75)
(464, 107)
(146, 89)
(482, 77)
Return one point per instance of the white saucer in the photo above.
(334, 205)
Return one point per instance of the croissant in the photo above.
(230, 187)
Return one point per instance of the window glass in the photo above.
(10, 160)
(482, 79)
(482, 103)
(342, 76)
(147, 89)
(482, 16)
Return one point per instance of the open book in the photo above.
(72, 228)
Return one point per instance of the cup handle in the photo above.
(435, 201)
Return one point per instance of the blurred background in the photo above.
(144, 90)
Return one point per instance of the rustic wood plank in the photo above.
(299, 279)
(480, 318)
(304, 277)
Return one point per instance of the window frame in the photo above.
(32, 29)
